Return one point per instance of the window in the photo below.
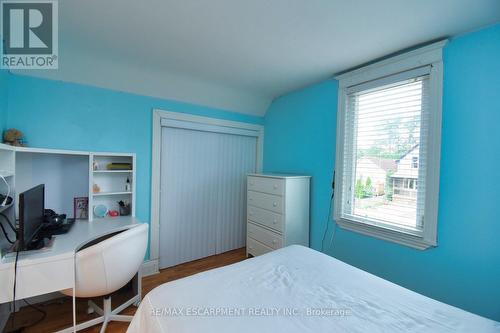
(388, 141)
(414, 162)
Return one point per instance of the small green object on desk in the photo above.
(100, 211)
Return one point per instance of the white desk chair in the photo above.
(106, 266)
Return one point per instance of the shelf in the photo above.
(5, 147)
(109, 154)
(103, 194)
(51, 151)
(113, 171)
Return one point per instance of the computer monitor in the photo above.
(31, 213)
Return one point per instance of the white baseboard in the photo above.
(150, 267)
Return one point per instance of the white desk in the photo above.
(42, 272)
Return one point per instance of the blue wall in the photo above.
(4, 89)
(63, 115)
(300, 138)
(464, 270)
(4, 81)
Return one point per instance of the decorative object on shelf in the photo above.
(14, 137)
(95, 166)
(124, 208)
(119, 166)
(100, 210)
(81, 208)
(113, 213)
(128, 188)
(96, 188)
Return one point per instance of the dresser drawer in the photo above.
(265, 217)
(256, 248)
(267, 185)
(266, 237)
(266, 201)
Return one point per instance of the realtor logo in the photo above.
(30, 34)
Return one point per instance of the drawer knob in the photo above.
(251, 183)
(275, 187)
(251, 214)
(275, 221)
(275, 204)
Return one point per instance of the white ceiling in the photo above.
(238, 54)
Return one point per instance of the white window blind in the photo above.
(386, 125)
(384, 131)
(388, 148)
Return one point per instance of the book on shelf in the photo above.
(119, 166)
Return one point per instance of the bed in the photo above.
(296, 289)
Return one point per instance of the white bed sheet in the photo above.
(276, 292)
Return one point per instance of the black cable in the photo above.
(6, 234)
(15, 278)
(44, 313)
(327, 224)
(8, 221)
(333, 236)
(329, 213)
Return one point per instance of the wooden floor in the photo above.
(59, 312)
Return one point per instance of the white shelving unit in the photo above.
(66, 174)
(112, 183)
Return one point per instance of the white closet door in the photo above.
(203, 195)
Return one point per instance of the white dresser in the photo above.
(277, 212)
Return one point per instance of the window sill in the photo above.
(395, 236)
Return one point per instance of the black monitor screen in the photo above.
(31, 211)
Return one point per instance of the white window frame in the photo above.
(430, 55)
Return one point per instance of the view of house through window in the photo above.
(386, 151)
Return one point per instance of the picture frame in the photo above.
(81, 208)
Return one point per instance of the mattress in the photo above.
(296, 289)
